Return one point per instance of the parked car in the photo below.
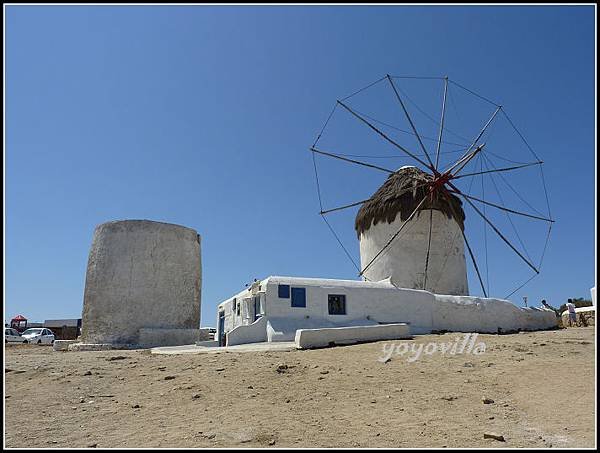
(38, 335)
(13, 336)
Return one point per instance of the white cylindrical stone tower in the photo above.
(404, 261)
(141, 275)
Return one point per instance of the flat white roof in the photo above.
(306, 281)
(322, 282)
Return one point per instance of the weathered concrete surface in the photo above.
(80, 347)
(141, 274)
(63, 345)
(168, 337)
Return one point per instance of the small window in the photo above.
(337, 304)
(284, 291)
(299, 297)
(234, 306)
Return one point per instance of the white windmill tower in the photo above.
(412, 229)
(436, 226)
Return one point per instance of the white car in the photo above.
(38, 335)
(13, 336)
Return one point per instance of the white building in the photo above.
(275, 308)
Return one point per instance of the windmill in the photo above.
(415, 227)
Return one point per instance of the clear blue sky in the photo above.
(202, 116)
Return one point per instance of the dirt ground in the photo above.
(539, 388)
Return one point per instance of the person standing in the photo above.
(572, 313)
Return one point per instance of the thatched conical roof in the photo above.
(400, 194)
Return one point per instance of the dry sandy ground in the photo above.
(335, 397)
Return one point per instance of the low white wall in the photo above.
(474, 314)
(63, 345)
(316, 338)
(284, 329)
(253, 333)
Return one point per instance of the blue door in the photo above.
(221, 329)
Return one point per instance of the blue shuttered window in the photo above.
(284, 291)
(299, 297)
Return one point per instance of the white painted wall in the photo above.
(457, 313)
(404, 260)
(251, 333)
(245, 300)
(372, 303)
